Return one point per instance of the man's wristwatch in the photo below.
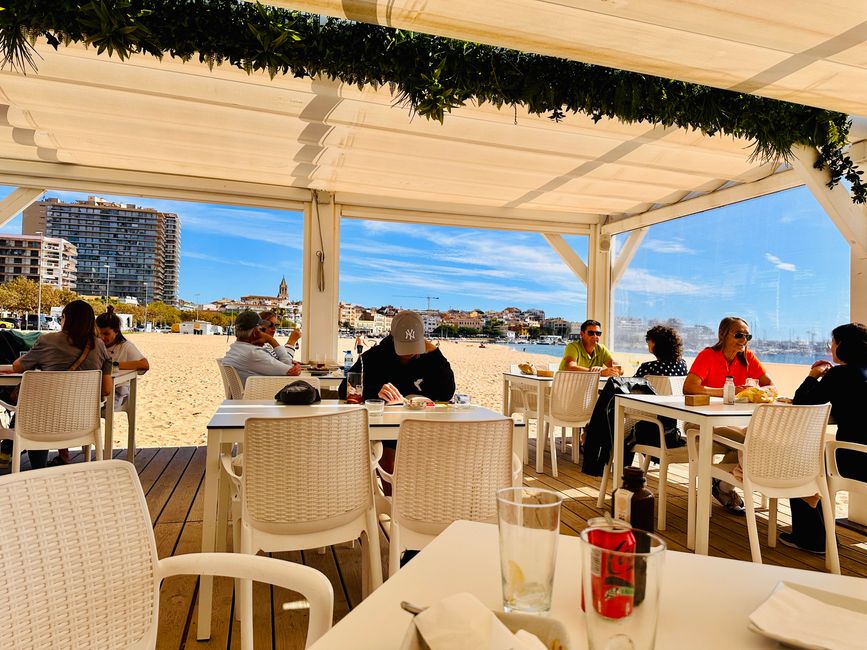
(115, 364)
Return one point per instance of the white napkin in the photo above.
(806, 622)
(462, 622)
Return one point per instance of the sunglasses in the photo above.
(592, 333)
(741, 335)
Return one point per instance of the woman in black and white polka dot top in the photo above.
(665, 344)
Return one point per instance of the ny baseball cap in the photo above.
(407, 331)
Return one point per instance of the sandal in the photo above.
(731, 501)
(57, 461)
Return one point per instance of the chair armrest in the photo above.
(226, 462)
(831, 447)
(310, 583)
(728, 442)
(7, 406)
(517, 470)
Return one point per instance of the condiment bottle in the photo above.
(632, 502)
(729, 391)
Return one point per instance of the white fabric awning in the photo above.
(803, 51)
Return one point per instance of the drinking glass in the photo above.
(621, 589)
(529, 523)
(374, 406)
(462, 400)
(354, 388)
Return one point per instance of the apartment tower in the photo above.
(22, 256)
(123, 249)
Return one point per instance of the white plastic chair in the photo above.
(86, 573)
(305, 482)
(662, 385)
(573, 396)
(57, 409)
(783, 457)
(261, 387)
(232, 385)
(836, 481)
(445, 471)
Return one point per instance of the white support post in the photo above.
(599, 281)
(850, 219)
(17, 200)
(624, 258)
(569, 257)
(321, 281)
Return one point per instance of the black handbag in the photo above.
(298, 393)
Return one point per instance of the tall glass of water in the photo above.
(529, 523)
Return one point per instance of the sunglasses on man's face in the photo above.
(594, 332)
(741, 335)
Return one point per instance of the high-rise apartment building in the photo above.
(20, 256)
(123, 249)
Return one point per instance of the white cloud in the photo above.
(643, 281)
(675, 246)
(780, 264)
(224, 261)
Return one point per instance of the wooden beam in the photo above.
(624, 258)
(850, 219)
(743, 192)
(17, 200)
(321, 278)
(569, 256)
(599, 281)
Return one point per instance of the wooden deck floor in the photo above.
(172, 479)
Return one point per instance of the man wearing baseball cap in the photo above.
(247, 354)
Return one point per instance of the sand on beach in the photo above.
(180, 393)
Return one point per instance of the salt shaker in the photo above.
(729, 391)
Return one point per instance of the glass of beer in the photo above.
(354, 388)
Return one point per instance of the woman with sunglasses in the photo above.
(845, 386)
(728, 357)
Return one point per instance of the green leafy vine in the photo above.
(431, 75)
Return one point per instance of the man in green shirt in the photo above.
(588, 353)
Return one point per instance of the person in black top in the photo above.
(845, 386)
(664, 343)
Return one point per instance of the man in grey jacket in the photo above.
(248, 355)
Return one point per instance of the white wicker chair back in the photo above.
(306, 474)
(664, 385)
(58, 406)
(232, 385)
(79, 558)
(785, 444)
(259, 387)
(445, 471)
(573, 395)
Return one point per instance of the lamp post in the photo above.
(146, 307)
(197, 305)
(39, 280)
(107, 283)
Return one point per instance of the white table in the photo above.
(715, 414)
(227, 427)
(117, 379)
(705, 601)
(541, 385)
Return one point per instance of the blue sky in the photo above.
(777, 260)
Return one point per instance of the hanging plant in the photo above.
(429, 74)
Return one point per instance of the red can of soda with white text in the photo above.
(612, 575)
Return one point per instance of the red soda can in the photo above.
(612, 576)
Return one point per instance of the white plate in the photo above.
(829, 598)
(549, 631)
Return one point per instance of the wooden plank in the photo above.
(154, 469)
(163, 488)
(290, 626)
(327, 564)
(181, 500)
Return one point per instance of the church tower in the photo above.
(283, 294)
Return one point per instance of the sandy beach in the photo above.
(179, 394)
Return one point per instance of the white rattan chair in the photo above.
(305, 482)
(573, 396)
(260, 387)
(836, 481)
(57, 409)
(783, 457)
(662, 386)
(232, 385)
(81, 570)
(445, 471)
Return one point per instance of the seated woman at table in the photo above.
(728, 357)
(124, 354)
(845, 386)
(74, 347)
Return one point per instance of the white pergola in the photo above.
(173, 130)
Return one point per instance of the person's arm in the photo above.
(817, 387)
(262, 363)
(138, 364)
(16, 365)
(692, 386)
(439, 380)
(106, 364)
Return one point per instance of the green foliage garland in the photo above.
(431, 75)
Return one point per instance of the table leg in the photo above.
(209, 532)
(702, 507)
(540, 427)
(507, 397)
(617, 452)
(109, 423)
(130, 416)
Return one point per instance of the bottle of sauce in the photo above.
(632, 502)
(729, 391)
